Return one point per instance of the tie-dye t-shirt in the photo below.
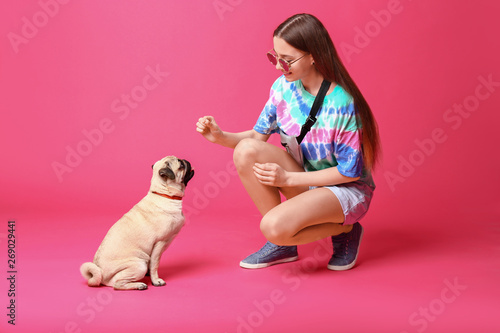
(335, 138)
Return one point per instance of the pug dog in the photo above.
(134, 244)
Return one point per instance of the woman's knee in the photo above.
(245, 153)
(274, 229)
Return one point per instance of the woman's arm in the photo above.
(207, 127)
(273, 175)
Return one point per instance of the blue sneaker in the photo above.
(346, 249)
(270, 254)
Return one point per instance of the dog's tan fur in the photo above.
(134, 244)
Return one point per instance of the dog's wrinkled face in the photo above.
(171, 175)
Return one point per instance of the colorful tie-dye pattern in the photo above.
(335, 138)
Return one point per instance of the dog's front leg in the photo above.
(154, 263)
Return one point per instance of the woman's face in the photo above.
(299, 69)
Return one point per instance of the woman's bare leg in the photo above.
(251, 151)
(305, 218)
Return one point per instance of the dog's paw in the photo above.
(159, 283)
(142, 286)
(123, 285)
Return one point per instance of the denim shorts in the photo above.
(354, 198)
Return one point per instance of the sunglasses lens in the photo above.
(272, 58)
(285, 65)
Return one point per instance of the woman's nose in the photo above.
(278, 65)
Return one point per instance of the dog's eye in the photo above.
(153, 166)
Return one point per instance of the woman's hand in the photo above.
(207, 127)
(271, 174)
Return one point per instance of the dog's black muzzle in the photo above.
(189, 171)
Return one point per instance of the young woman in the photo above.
(339, 151)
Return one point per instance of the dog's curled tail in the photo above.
(92, 273)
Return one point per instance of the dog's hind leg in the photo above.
(129, 277)
(127, 285)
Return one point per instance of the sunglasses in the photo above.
(285, 64)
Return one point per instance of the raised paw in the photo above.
(159, 283)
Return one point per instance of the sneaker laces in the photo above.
(268, 248)
(340, 245)
(271, 247)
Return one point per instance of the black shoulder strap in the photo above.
(318, 101)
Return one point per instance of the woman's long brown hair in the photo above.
(306, 33)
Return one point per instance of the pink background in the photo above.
(67, 70)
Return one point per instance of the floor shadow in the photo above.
(170, 271)
(390, 243)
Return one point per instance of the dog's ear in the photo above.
(166, 173)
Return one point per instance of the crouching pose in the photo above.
(330, 189)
